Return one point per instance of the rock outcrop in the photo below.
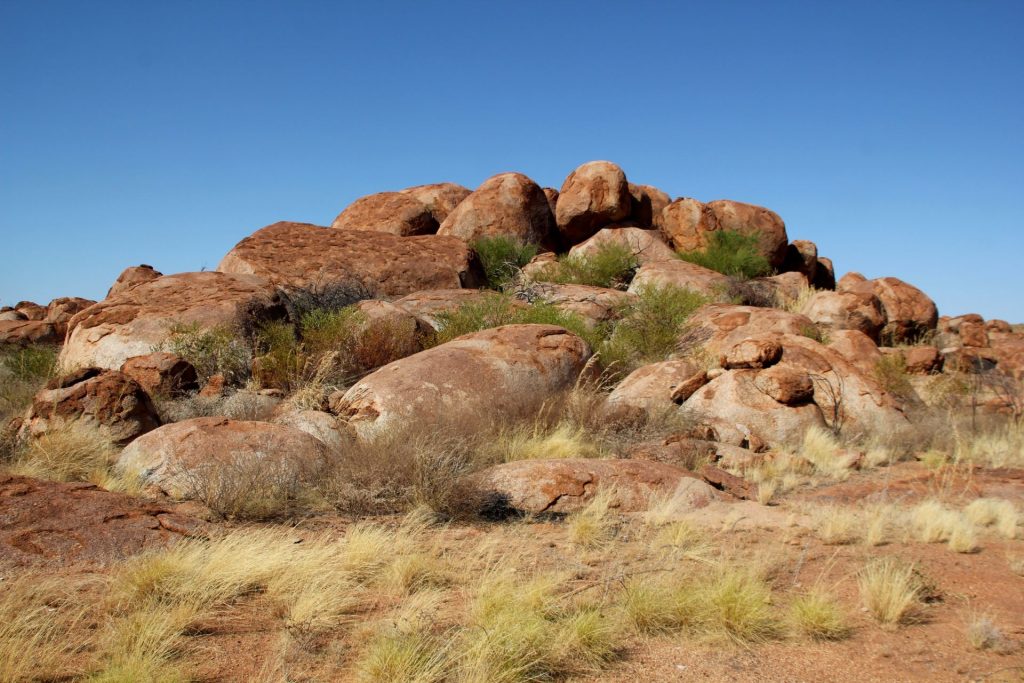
(162, 374)
(646, 246)
(397, 213)
(680, 274)
(131, 276)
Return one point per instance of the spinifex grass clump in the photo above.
(502, 258)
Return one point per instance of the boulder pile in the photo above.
(755, 367)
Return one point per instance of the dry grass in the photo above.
(593, 526)
(821, 448)
(837, 525)
(999, 447)
(798, 303)
(998, 513)
(538, 441)
(36, 614)
(982, 632)
(662, 603)
(890, 590)
(734, 603)
(818, 615)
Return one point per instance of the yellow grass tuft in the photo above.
(36, 614)
(994, 512)
(657, 604)
(837, 525)
(818, 615)
(593, 525)
(71, 452)
(890, 590)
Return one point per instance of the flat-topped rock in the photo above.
(300, 254)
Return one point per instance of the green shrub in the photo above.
(30, 363)
(498, 309)
(731, 253)
(502, 258)
(212, 351)
(650, 327)
(611, 265)
(330, 347)
(23, 371)
(816, 333)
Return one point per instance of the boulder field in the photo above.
(751, 378)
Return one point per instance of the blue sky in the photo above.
(891, 134)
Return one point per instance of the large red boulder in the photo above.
(679, 273)
(105, 399)
(162, 374)
(508, 204)
(566, 485)
(440, 198)
(493, 372)
(302, 255)
(594, 196)
(687, 224)
(646, 246)
(648, 202)
(851, 309)
(909, 312)
(394, 212)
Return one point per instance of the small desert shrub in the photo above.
(322, 296)
(799, 303)
(651, 326)
(23, 371)
(818, 615)
(891, 373)
(213, 351)
(502, 258)
(610, 265)
(890, 590)
(330, 347)
(817, 333)
(731, 253)
(743, 292)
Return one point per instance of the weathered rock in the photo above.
(756, 352)
(183, 459)
(646, 246)
(427, 304)
(856, 347)
(658, 386)
(54, 524)
(562, 486)
(60, 311)
(397, 213)
(824, 274)
(594, 196)
(299, 255)
(647, 202)
(847, 310)
(28, 332)
(162, 374)
(721, 326)
(508, 204)
(909, 312)
(998, 326)
(137, 321)
(498, 370)
(785, 286)
(8, 314)
(680, 274)
(104, 399)
(594, 304)
(321, 425)
(973, 334)
(786, 384)
(539, 265)
(921, 360)
(735, 397)
(688, 224)
(131, 276)
(31, 310)
(440, 198)
(552, 196)
(801, 257)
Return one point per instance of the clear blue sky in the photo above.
(890, 133)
